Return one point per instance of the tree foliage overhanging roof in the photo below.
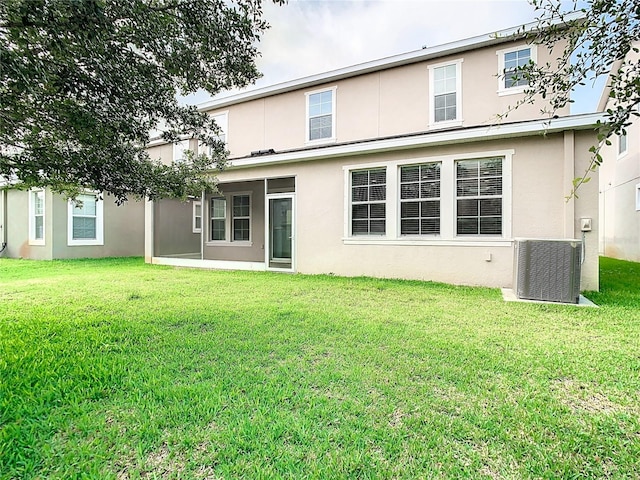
(83, 82)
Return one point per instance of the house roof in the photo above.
(451, 48)
(423, 139)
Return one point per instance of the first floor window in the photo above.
(197, 217)
(36, 220)
(479, 197)
(368, 201)
(420, 199)
(85, 220)
(218, 218)
(241, 217)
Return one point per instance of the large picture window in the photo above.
(85, 220)
(479, 197)
(420, 199)
(368, 198)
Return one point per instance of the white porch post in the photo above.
(149, 224)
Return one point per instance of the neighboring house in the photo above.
(392, 168)
(620, 188)
(39, 224)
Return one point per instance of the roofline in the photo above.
(425, 139)
(450, 48)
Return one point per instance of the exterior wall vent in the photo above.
(548, 270)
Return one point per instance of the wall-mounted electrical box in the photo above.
(585, 224)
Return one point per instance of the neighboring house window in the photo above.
(510, 62)
(179, 150)
(218, 219)
(197, 217)
(420, 199)
(445, 84)
(36, 217)
(321, 119)
(85, 220)
(241, 218)
(479, 197)
(622, 144)
(368, 198)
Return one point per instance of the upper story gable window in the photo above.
(321, 116)
(622, 144)
(445, 84)
(511, 78)
(179, 150)
(222, 120)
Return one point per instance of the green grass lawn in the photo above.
(117, 369)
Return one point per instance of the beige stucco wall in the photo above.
(619, 175)
(252, 251)
(538, 191)
(388, 102)
(17, 227)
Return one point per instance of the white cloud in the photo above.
(313, 36)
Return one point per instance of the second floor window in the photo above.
(513, 63)
(622, 144)
(321, 115)
(445, 85)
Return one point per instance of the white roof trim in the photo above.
(471, 134)
(450, 48)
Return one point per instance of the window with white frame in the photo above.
(321, 119)
(445, 86)
(85, 220)
(218, 215)
(241, 218)
(420, 199)
(179, 150)
(197, 217)
(368, 201)
(511, 78)
(622, 144)
(222, 120)
(479, 197)
(36, 217)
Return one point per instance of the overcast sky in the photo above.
(313, 36)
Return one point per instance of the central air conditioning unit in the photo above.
(548, 270)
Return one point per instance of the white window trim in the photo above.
(624, 152)
(638, 197)
(194, 228)
(447, 203)
(333, 137)
(99, 240)
(458, 120)
(502, 90)
(32, 220)
(228, 224)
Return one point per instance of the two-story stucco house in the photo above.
(620, 187)
(397, 167)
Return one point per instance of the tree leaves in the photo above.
(83, 83)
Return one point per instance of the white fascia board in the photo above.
(450, 48)
(429, 139)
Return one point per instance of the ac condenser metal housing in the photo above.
(548, 270)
